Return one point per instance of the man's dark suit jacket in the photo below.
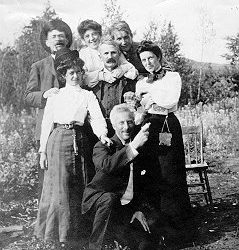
(42, 77)
(112, 173)
(133, 58)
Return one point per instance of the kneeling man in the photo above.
(114, 192)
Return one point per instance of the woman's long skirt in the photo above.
(167, 182)
(59, 213)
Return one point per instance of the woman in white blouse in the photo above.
(164, 152)
(91, 32)
(65, 151)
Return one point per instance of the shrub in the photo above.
(220, 126)
(17, 156)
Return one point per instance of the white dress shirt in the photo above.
(129, 191)
(71, 104)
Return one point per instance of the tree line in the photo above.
(202, 82)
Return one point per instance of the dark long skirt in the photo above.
(59, 213)
(166, 185)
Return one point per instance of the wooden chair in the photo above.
(193, 145)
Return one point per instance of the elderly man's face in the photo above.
(109, 55)
(124, 125)
(123, 39)
(56, 40)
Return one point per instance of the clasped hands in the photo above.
(112, 76)
(145, 99)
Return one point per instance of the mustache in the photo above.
(60, 43)
(111, 60)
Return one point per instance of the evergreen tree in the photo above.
(233, 47)
(170, 46)
(152, 31)
(8, 82)
(112, 12)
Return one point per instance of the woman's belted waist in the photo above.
(155, 109)
(72, 125)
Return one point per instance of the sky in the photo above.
(190, 18)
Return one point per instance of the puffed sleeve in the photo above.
(140, 87)
(82, 56)
(47, 124)
(96, 118)
(166, 94)
(92, 78)
(92, 67)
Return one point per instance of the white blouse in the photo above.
(165, 92)
(71, 104)
(91, 58)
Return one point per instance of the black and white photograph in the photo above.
(119, 125)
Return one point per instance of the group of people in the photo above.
(111, 153)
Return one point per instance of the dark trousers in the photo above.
(131, 234)
(112, 221)
(103, 208)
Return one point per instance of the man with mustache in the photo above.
(91, 33)
(43, 83)
(111, 93)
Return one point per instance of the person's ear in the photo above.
(47, 43)
(100, 56)
(99, 50)
(66, 41)
(113, 126)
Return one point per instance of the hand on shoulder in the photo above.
(51, 92)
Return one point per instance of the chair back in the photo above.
(193, 145)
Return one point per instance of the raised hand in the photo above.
(105, 140)
(141, 137)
